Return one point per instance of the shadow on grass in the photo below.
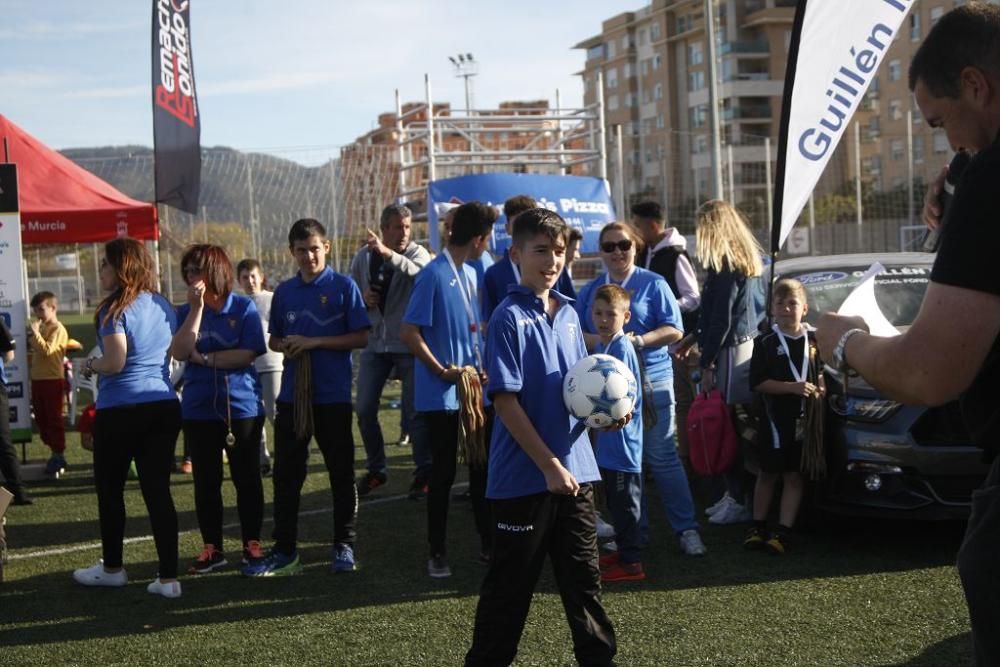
(955, 650)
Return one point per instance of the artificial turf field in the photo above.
(848, 593)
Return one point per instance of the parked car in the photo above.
(884, 457)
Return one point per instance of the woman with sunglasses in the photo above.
(220, 337)
(138, 415)
(655, 324)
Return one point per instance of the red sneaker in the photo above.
(623, 572)
(607, 560)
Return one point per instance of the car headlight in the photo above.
(865, 409)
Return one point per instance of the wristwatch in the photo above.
(839, 358)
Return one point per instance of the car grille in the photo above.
(940, 427)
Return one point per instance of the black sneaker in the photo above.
(209, 560)
(370, 482)
(438, 568)
(777, 544)
(756, 540)
(418, 490)
(22, 499)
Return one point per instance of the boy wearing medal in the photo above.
(442, 328)
(779, 372)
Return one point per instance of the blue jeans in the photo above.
(624, 495)
(373, 371)
(659, 455)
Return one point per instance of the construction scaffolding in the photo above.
(433, 142)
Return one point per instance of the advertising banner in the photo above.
(176, 124)
(834, 53)
(583, 202)
(13, 304)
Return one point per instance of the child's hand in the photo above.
(620, 424)
(196, 294)
(560, 481)
(804, 389)
(296, 345)
(36, 327)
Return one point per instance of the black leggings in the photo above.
(147, 433)
(332, 425)
(442, 427)
(205, 439)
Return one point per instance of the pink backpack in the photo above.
(712, 443)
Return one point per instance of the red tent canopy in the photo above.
(64, 203)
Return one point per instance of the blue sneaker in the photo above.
(343, 559)
(274, 564)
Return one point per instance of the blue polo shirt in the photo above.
(329, 305)
(622, 450)
(480, 266)
(149, 324)
(501, 276)
(438, 308)
(236, 326)
(653, 306)
(529, 355)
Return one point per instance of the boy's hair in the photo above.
(44, 297)
(967, 36)
(471, 219)
(615, 295)
(574, 235)
(786, 287)
(517, 205)
(649, 210)
(394, 210)
(217, 270)
(535, 221)
(303, 228)
(248, 265)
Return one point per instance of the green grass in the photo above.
(850, 593)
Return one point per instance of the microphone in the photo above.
(932, 239)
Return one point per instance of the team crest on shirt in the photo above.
(322, 299)
(232, 322)
(290, 316)
(571, 328)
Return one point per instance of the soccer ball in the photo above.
(600, 390)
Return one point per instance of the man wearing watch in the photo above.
(952, 349)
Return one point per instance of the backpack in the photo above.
(712, 443)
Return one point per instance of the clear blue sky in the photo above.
(281, 74)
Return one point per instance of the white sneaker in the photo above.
(97, 576)
(605, 531)
(168, 590)
(691, 543)
(732, 513)
(725, 500)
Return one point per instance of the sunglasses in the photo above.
(609, 246)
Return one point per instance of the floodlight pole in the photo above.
(466, 67)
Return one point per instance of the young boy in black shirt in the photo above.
(779, 372)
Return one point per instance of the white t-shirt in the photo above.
(270, 361)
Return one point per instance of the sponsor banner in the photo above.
(13, 304)
(583, 202)
(835, 51)
(176, 124)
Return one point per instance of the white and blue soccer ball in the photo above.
(600, 390)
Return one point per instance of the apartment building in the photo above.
(654, 66)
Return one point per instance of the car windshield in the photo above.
(898, 291)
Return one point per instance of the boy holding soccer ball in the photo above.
(541, 465)
(619, 452)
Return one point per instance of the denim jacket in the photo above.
(731, 309)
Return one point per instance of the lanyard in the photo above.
(468, 293)
(799, 376)
(624, 283)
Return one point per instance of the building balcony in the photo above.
(747, 112)
(760, 47)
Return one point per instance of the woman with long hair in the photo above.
(138, 415)
(731, 308)
(219, 337)
(655, 324)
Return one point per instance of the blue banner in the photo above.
(583, 202)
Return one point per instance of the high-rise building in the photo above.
(654, 67)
